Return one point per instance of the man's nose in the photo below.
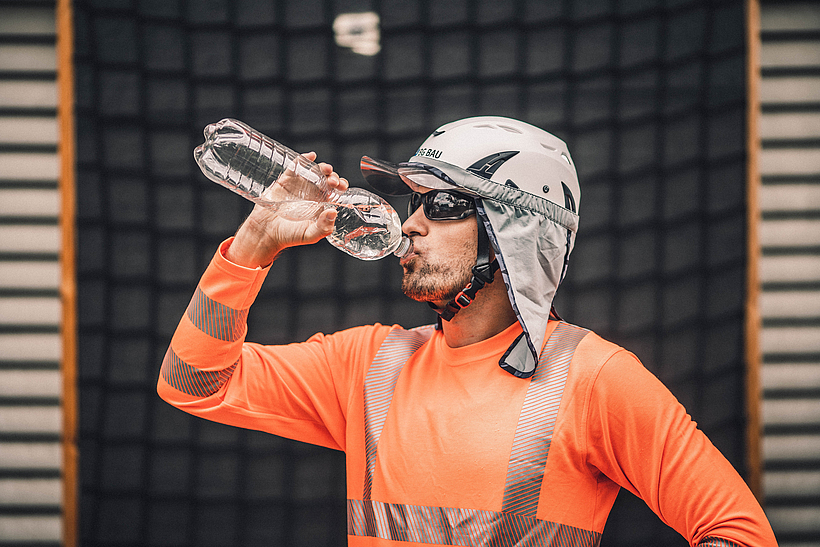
(415, 223)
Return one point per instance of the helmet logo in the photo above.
(486, 167)
(428, 153)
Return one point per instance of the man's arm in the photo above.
(208, 367)
(641, 437)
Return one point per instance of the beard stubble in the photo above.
(436, 282)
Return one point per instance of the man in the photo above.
(502, 426)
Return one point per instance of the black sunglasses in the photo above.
(442, 204)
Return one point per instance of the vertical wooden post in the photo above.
(68, 279)
(752, 320)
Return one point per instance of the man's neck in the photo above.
(489, 314)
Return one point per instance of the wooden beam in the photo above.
(68, 278)
(752, 317)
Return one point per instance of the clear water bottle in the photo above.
(270, 174)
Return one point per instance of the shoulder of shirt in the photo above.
(373, 334)
(593, 352)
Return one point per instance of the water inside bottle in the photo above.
(366, 231)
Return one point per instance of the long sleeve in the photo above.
(641, 437)
(300, 391)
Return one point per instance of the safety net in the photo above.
(648, 94)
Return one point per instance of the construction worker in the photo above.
(500, 425)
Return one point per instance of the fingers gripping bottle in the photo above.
(270, 174)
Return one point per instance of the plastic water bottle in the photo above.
(270, 174)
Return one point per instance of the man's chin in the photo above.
(434, 297)
(429, 285)
(420, 293)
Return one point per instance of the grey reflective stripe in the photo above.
(215, 319)
(533, 434)
(467, 527)
(190, 380)
(712, 541)
(379, 384)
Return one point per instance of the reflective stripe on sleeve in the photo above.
(187, 379)
(711, 541)
(215, 319)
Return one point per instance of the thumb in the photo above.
(325, 223)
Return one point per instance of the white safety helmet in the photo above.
(527, 196)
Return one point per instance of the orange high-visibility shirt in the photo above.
(438, 449)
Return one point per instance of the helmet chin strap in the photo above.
(482, 274)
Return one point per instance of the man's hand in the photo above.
(265, 234)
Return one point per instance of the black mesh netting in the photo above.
(649, 95)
